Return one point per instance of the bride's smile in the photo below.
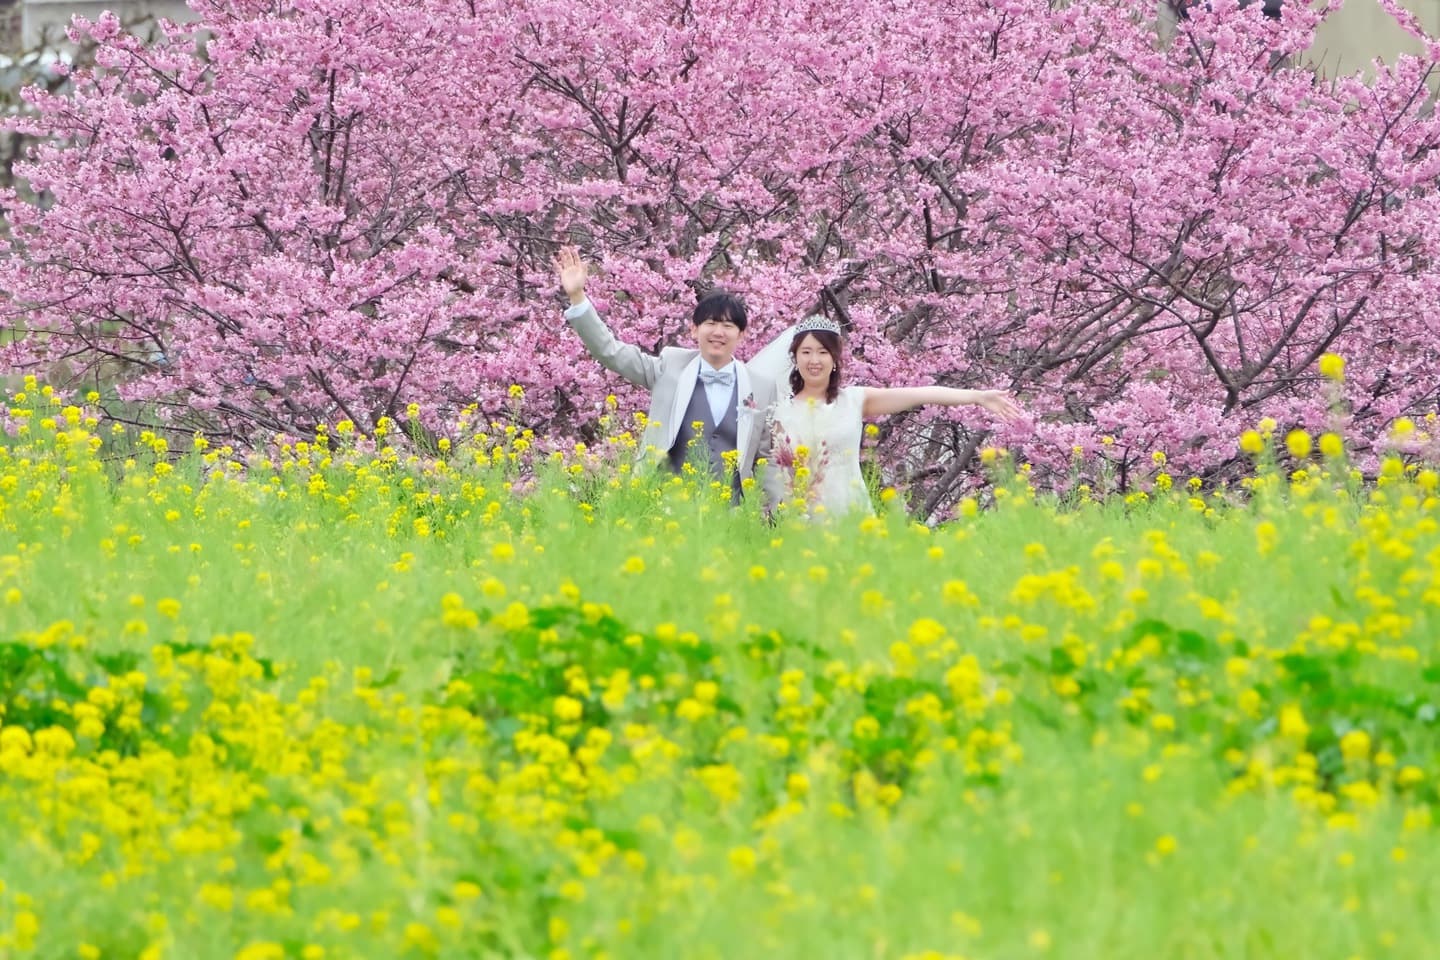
(815, 364)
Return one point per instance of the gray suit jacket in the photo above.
(670, 378)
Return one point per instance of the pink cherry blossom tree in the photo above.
(300, 211)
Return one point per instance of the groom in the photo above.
(707, 386)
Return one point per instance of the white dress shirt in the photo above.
(719, 393)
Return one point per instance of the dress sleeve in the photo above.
(855, 397)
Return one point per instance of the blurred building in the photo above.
(11, 16)
(42, 21)
(1362, 31)
(1350, 40)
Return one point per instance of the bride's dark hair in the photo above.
(833, 345)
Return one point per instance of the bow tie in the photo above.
(722, 377)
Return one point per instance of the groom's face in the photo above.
(717, 339)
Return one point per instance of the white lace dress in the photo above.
(815, 454)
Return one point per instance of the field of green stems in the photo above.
(341, 699)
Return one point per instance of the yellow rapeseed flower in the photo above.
(1409, 776)
(1298, 443)
(1355, 745)
(743, 859)
(1292, 722)
(261, 950)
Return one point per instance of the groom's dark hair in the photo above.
(720, 305)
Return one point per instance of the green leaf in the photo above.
(1192, 644)
(1061, 663)
(1308, 670)
(119, 663)
(1158, 629)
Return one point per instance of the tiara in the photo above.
(817, 322)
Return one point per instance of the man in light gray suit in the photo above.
(707, 385)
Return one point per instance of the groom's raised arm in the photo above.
(626, 359)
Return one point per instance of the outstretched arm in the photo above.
(626, 359)
(880, 401)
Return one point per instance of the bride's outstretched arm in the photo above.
(881, 400)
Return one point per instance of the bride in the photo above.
(816, 432)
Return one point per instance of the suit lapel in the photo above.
(684, 389)
(744, 409)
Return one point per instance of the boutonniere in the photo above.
(748, 404)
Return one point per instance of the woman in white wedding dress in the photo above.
(817, 430)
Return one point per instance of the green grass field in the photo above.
(344, 702)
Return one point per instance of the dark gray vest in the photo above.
(717, 439)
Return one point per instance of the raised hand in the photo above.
(572, 272)
(1000, 404)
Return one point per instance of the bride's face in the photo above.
(814, 363)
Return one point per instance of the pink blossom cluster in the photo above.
(299, 211)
